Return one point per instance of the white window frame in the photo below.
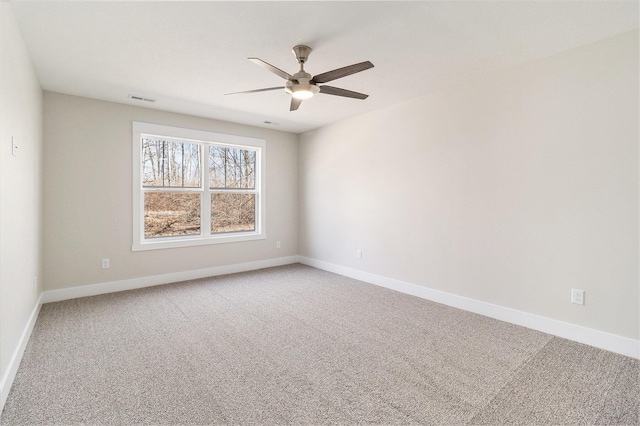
(140, 130)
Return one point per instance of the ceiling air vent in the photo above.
(141, 98)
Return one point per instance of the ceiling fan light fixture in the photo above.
(302, 94)
(302, 91)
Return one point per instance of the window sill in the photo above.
(169, 242)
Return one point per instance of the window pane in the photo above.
(217, 166)
(170, 164)
(233, 212)
(232, 168)
(171, 213)
(152, 162)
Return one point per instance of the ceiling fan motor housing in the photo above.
(302, 53)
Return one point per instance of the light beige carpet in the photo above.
(296, 345)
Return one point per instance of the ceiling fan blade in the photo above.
(341, 72)
(330, 90)
(256, 90)
(269, 67)
(295, 103)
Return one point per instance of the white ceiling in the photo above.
(187, 55)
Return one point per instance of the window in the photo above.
(194, 187)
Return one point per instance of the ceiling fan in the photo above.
(302, 85)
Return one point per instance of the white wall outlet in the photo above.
(278, 245)
(14, 147)
(358, 254)
(105, 263)
(577, 296)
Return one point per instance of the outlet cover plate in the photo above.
(577, 296)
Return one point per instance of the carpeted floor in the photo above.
(296, 345)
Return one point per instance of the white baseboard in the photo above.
(588, 336)
(134, 283)
(14, 363)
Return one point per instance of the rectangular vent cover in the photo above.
(141, 98)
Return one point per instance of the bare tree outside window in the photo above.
(233, 212)
(177, 165)
(171, 213)
(232, 170)
(169, 164)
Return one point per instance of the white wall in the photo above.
(88, 195)
(511, 190)
(20, 192)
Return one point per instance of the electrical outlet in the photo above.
(105, 263)
(358, 254)
(278, 245)
(577, 296)
(14, 147)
